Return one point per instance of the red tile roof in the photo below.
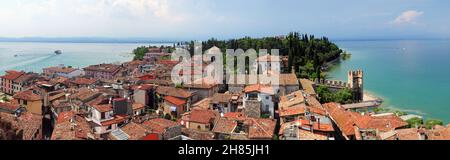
(60, 69)
(70, 126)
(84, 81)
(27, 95)
(30, 124)
(175, 101)
(174, 92)
(135, 131)
(202, 116)
(12, 75)
(224, 126)
(294, 110)
(438, 133)
(159, 125)
(117, 119)
(239, 116)
(103, 108)
(9, 106)
(259, 88)
(318, 111)
(346, 120)
(109, 68)
(261, 128)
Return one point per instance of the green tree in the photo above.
(433, 122)
(414, 122)
(343, 96)
(168, 117)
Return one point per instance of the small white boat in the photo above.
(58, 52)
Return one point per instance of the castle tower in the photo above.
(355, 82)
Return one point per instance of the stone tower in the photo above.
(355, 82)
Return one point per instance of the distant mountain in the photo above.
(87, 40)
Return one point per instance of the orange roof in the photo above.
(259, 88)
(65, 116)
(27, 95)
(135, 131)
(317, 111)
(323, 127)
(202, 116)
(261, 128)
(9, 106)
(12, 75)
(116, 120)
(84, 81)
(235, 116)
(346, 120)
(175, 101)
(224, 126)
(294, 110)
(172, 91)
(103, 108)
(60, 69)
(159, 125)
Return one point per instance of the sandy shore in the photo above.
(370, 97)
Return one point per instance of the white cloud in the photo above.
(408, 17)
(90, 17)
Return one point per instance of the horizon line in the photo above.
(171, 40)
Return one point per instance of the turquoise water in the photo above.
(410, 75)
(35, 56)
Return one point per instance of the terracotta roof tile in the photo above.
(346, 120)
(135, 131)
(294, 110)
(221, 98)
(27, 95)
(175, 101)
(202, 116)
(442, 133)
(84, 81)
(10, 107)
(159, 125)
(224, 126)
(174, 92)
(103, 108)
(408, 134)
(261, 128)
(259, 88)
(110, 68)
(239, 116)
(70, 126)
(29, 123)
(12, 75)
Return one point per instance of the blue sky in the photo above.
(199, 19)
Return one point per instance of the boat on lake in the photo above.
(58, 52)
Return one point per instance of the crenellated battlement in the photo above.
(334, 83)
(356, 74)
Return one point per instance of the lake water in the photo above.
(410, 75)
(35, 56)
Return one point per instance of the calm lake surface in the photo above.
(410, 75)
(35, 56)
